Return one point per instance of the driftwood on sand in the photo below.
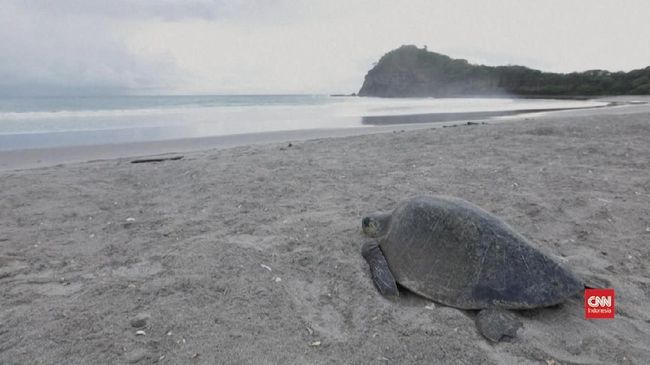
(157, 159)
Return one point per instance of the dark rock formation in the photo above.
(409, 71)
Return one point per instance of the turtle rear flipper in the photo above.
(497, 324)
(379, 270)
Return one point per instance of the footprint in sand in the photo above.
(322, 317)
(138, 270)
(10, 267)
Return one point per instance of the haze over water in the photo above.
(67, 121)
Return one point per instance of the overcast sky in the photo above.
(281, 46)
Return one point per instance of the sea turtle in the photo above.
(457, 254)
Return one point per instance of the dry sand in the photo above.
(250, 255)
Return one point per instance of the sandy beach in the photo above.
(251, 254)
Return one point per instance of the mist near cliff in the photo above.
(281, 46)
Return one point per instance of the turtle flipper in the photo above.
(497, 324)
(379, 270)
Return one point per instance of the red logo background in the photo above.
(596, 301)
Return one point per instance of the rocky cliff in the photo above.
(409, 71)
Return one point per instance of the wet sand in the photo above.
(251, 254)
(468, 116)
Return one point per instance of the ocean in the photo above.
(39, 122)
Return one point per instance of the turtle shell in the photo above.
(455, 253)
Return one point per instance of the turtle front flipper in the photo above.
(497, 324)
(379, 270)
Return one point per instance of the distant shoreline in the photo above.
(34, 124)
(51, 156)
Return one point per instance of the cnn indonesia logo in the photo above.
(599, 303)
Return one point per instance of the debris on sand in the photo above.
(140, 320)
(161, 159)
(137, 355)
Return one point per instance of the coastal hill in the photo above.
(409, 71)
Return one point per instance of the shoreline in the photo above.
(13, 160)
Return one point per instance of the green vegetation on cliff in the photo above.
(411, 71)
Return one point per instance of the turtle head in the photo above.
(375, 224)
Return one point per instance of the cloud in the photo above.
(130, 9)
(166, 10)
(84, 46)
(73, 53)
